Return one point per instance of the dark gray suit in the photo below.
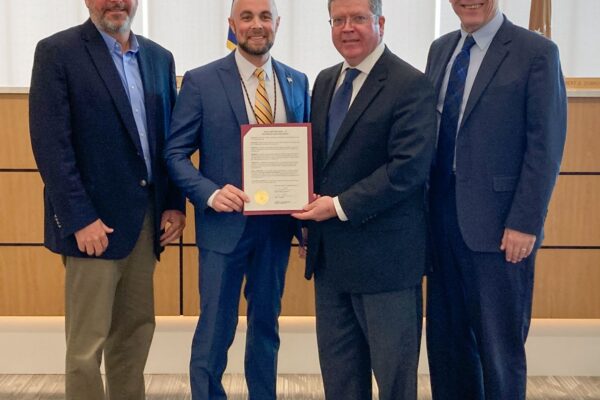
(368, 270)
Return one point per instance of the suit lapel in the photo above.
(369, 90)
(105, 66)
(493, 59)
(230, 79)
(286, 83)
(441, 62)
(147, 71)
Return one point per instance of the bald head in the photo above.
(236, 4)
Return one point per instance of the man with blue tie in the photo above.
(247, 86)
(373, 119)
(502, 104)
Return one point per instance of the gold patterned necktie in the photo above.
(262, 108)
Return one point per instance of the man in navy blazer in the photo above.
(502, 104)
(100, 105)
(215, 100)
(367, 229)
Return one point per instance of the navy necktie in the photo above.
(339, 106)
(451, 112)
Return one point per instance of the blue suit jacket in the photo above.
(510, 142)
(207, 117)
(86, 143)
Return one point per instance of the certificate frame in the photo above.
(274, 134)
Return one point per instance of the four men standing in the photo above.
(100, 106)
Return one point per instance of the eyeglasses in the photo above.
(354, 20)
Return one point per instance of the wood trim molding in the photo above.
(582, 83)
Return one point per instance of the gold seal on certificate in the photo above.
(276, 168)
(261, 197)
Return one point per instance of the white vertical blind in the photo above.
(575, 30)
(195, 31)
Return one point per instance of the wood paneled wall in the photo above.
(32, 278)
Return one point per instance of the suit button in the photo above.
(143, 183)
(324, 181)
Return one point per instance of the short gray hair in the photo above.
(375, 6)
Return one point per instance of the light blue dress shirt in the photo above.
(131, 77)
(483, 38)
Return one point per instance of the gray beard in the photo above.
(110, 27)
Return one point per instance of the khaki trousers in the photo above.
(109, 308)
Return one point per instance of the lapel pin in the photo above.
(289, 79)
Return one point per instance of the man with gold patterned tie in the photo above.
(245, 87)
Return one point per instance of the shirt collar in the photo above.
(484, 35)
(246, 68)
(114, 46)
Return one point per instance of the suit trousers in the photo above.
(109, 307)
(361, 335)
(261, 257)
(478, 314)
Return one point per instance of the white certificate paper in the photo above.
(277, 168)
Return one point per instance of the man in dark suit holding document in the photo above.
(373, 132)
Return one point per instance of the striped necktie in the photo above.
(262, 108)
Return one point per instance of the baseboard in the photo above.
(36, 345)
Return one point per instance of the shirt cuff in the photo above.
(211, 199)
(339, 210)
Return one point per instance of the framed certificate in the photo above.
(277, 168)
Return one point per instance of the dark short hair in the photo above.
(375, 6)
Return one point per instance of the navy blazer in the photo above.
(207, 117)
(86, 143)
(510, 142)
(377, 166)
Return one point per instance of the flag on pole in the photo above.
(540, 17)
(231, 40)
